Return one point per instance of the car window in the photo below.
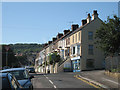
(26, 74)
(13, 82)
(20, 74)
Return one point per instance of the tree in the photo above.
(54, 57)
(108, 36)
(22, 60)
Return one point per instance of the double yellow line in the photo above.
(77, 76)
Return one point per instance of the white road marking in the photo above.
(110, 80)
(55, 86)
(47, 77)
(50, 81)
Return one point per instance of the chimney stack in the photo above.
(54, 39)
(66, 31)
(89, 18)
(74, 27)
(84, 21)
(59, 35)
(45, 44)
(49, 42)
(94, 15)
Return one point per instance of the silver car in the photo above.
(22, 76)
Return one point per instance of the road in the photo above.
(60, 80)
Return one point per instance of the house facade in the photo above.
(84, 54)
(77, 47)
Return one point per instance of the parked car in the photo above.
(31, 69)
(6, 67)
(9, 82)
(22, 76)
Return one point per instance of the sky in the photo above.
(39, 22)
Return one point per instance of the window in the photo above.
(73, 50)
(68, 52)
(78, 49)
(79, 35)
(67, 41)
(62, 53)
(90, 49)
(14, 83)
(20, 74)
(90, 35)
(73, 38)
(90, 63)
(76, 37)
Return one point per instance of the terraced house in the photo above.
(77, 47)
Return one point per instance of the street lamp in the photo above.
(7, 48)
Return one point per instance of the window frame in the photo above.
(90, 50)
(90, 35)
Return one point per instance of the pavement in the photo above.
(99, 79)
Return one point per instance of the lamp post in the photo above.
(7, 48)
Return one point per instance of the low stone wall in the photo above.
(112, 74)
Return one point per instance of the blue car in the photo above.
(9, 82)
(22, 75)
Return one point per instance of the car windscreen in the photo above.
(20, 74)
(31, 68)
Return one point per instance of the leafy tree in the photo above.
(53, 58)
(22, 60)
(108, 36)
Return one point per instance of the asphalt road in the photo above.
(60, 80)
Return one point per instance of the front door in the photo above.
(76, 65)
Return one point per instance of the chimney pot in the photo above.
(84, 21)
(74, 27)
(59, 35)
(95, 14)
(49, 42)
(45, 44)
(54, 39)
(89, 18)
(66, 31)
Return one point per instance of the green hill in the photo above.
(26, 48)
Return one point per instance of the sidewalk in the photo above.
(98, 77)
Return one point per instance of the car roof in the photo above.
(12, 69)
